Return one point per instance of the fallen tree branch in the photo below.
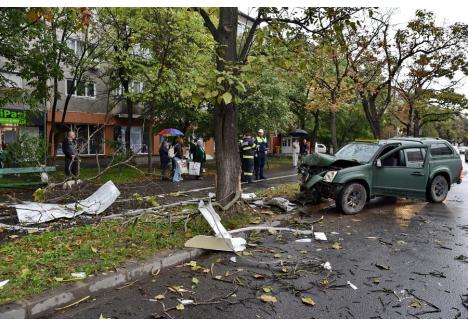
(255, 228)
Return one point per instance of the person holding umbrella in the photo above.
(177, 151)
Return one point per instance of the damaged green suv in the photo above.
(420, 168)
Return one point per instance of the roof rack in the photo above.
(362, 140)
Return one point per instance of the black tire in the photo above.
(438, 189)
(352, 199)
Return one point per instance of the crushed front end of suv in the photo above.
(419, 168)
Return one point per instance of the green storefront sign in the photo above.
(10, 116)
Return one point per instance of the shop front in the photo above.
(16, 122)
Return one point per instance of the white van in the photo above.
(320, 148)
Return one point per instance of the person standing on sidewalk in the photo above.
(178, 156)
(295, 151)
(199, 156)
(248, 151)
(261, 152)
(71, 160)
(164, 158)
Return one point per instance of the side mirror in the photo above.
(378, 163)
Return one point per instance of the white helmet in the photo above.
(260, 130)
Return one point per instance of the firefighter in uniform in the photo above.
(261, 150)
(247, 152)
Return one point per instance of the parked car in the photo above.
(463, 149)
(320, 148)
(421, 168)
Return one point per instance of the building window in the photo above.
(89, 139)
(133, 87)
(83, 89)
(76, 46)
(138, 139)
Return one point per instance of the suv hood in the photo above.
(324, 160)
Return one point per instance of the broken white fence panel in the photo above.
(222, 241)
(33, 213)
(3, 283)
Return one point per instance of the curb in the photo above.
(48, 301)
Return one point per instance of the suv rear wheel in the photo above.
(438, 189)
(352, 198)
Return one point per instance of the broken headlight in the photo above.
(329, 176)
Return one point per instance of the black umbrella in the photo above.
(298, 133)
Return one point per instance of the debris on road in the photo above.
(384, 267)
(233, 259)
(462, 258)
(267, 228)
(354, 287)
(282, 203)
(304, 240)
(223, 240)
(320, 236)
(185, 301)
(327, 265)
(34, 213)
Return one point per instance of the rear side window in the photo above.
(415, 157)
(440, 149)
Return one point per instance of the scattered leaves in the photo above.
(267, 289)
(308, 301)
(336, 246)
(180, 306)
(160, 297)
(268, 298)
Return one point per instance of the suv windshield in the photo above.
(359, 152)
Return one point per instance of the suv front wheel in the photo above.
(438, 189)
(352, 198)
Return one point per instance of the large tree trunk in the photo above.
(51, 147)
(369, 106)
(226, 115)
(333, 130)
(128, 101)
(313, 139)
(150, 146)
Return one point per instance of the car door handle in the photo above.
(420, 174)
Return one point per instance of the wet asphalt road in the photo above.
(401, 256)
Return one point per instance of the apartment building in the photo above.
(99, 120)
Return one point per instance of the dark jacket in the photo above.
(199, 154)
(261, 144)
(164, 154)
(178, 151)
(69, 148)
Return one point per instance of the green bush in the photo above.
(26, 151)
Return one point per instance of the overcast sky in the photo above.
(444, 15)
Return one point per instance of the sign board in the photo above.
(18, 117)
